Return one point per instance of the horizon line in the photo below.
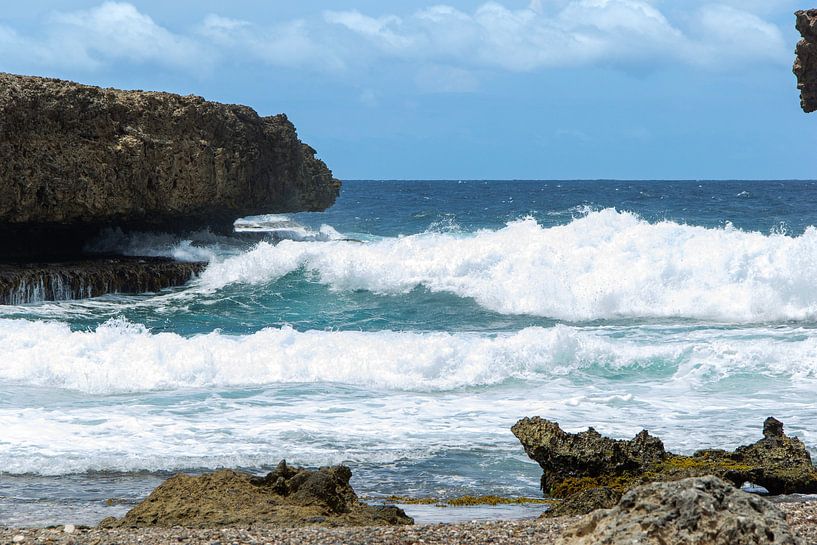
(578, 179)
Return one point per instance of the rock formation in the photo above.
(575, 463)
(805, 64)
(36, 282)
(687, 512)
(75, 158)
(584, 502)
(568, 458)
(288, 496)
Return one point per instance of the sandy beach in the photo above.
(802, 517)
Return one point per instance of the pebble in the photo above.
(801, 517)
(69, 529)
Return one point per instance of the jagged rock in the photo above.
(574, 463)
(288, 496)
(687, 512)
(805, 64)
(584, 502)
(566, 456)
(75, 158)
(35, 282)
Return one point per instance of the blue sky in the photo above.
(542, 89)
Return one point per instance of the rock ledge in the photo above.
(574, 464)
(288, 496)
(76, 158)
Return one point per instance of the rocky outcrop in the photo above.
(288, 496)
(805, 64)
(584, 502)
(687, 512)
(75, 158)
(567, 458)
(574, 463)
(36, 282)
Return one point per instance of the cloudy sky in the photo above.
(545, 89)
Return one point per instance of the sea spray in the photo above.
(604, 265)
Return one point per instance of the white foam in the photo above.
(281, 227)
(123, 357)
(604, 265)
(164, 401)
(195, 246)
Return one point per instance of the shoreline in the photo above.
(802, 517)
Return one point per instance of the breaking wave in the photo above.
(605, 265)
(120, 356)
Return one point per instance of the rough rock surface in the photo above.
(805, 63)
(288, 496)
(687, 512)
(74, 158)
(565, 456)
(584, 502)
(575, 463)
(35, 282)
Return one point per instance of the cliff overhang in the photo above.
(76, 158)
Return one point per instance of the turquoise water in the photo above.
(405, 330)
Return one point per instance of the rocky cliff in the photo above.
(37, 282)
(805, 65)
(75, 158)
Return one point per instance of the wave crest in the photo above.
(604, 265)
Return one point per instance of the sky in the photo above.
(508, 89)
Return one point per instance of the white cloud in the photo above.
(287, 44)
(117, 31)
(726, 34)
(91, 39)
(574, 33)
(441, 47)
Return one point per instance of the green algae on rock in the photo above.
(584, 502)
(575, 463)
(568, 459)
(288, 496)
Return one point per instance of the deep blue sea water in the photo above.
(406, 329)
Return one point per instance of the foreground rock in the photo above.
(687, 512)
(584, 502)
(75, 158)
(287, 496)
(805, 64)
(36, 282)
(575, 463)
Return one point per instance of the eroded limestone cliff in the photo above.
(805, 64)
(75, 158)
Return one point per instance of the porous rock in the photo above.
(76, 158)
(288, 496)
(37, 282)
(584, 502)
(805, 63)
(686, 512)
(565, 455)
(575, 463)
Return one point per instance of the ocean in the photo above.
(406, 329)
